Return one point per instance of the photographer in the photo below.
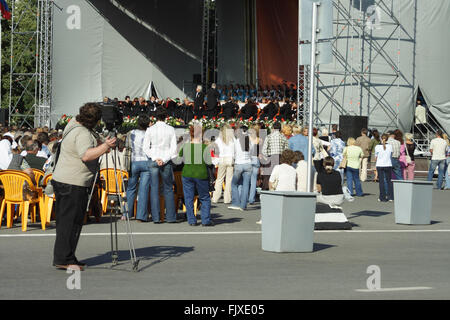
(72, 178)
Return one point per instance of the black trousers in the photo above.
(70, 207)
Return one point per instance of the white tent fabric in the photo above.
(433, 64)
(92, 60)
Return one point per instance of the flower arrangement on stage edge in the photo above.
(130, 123)
(63, 121)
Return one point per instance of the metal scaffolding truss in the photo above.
(42, 112)
(209, 43)
(30, 92)
(352, 90)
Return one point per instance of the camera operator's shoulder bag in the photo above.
(127, 152)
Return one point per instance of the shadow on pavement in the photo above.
(155, 255)
(369, 213)
(322, 246)
(217, 220)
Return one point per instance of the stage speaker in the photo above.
(350, 126)
(4, 116)
(197, 78)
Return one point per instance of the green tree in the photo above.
(24, 52)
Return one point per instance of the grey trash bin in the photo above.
(412, 201)
(287, 221)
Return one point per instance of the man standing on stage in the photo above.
(198, 102)
(212, 101)
(72, 178)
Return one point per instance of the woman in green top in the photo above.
(196, 155)
(354, 155)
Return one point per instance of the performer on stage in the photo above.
(249, 110)
(152, 106)
(186, 111)
(230, 109)
(269, 111)
(212, 101)
(127, 107)
(285, 111)
(198, 102)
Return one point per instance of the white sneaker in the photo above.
(235, 208)
(258, 222)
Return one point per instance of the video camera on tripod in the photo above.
(117, 205)
(111, 115)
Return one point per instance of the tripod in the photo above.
(118, 206)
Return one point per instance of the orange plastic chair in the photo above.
(13, 182)
(178, 192)
(48, 201)
(180, 195)
(111, 187)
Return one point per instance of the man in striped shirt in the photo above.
(274, 145)
(396, 166)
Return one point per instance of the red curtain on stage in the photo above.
(277, 31)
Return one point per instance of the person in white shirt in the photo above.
(160, 147)
(242, 170)
(225, 151)
(284, 176)
(438, 147)
(140, 172)
(383, 156)
(6, 154)
(301, 170)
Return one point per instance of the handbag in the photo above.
(211, 170)
(408, 158)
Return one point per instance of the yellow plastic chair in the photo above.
(111, 187)
(48, 201)
(13, 183)
(38, 176)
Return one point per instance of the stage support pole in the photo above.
(314, 32)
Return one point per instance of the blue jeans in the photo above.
(441, 171)
(167, 190)
(140, 172)
(447, 177)
(244, 171)
(397, 168)
(385, 183)
(202, 186)
(353, 176)
(253, 180)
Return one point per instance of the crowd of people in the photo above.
(230, 166)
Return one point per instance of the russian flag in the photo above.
(5, 10)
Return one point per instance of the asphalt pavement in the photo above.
(226, 262)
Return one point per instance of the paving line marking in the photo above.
(219, 233)
(394, 289)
